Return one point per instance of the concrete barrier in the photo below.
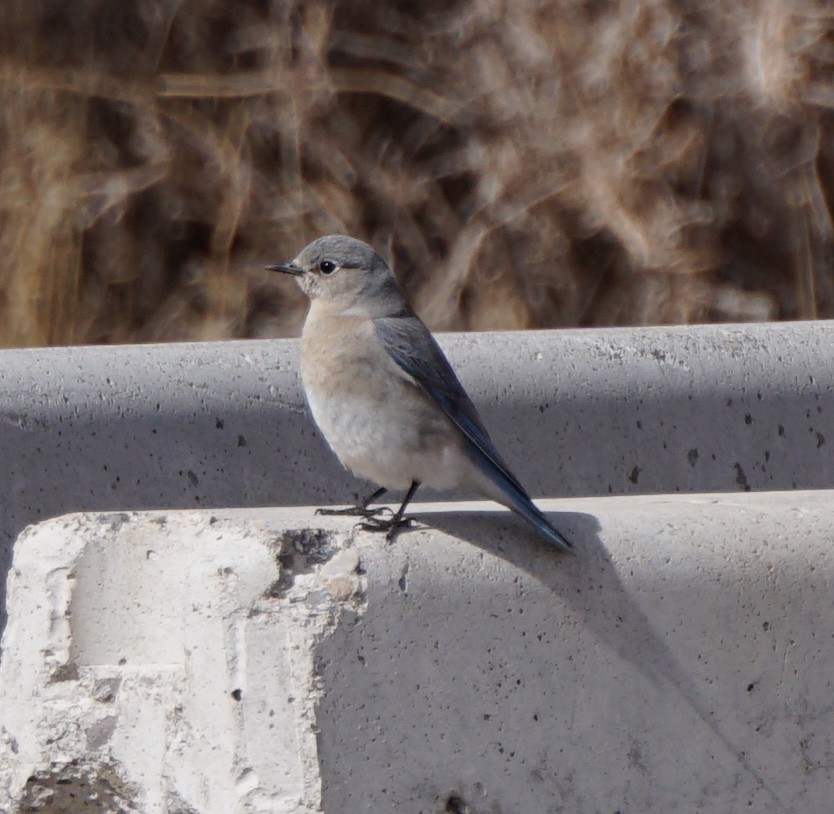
(596, 412)
(272, 661)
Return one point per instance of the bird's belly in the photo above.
(393, 438)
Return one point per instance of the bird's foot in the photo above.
(355, 511)
(391, 526)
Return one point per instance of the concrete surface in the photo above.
(270, 661)
(593, 412)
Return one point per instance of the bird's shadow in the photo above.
(578, 578)
(589, 582)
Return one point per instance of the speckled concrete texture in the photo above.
(274, 661)
(589, 412)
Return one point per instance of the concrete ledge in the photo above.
(265, 661)
(595, 412)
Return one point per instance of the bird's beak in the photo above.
(286, 268)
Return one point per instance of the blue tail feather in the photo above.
(521, 504)
(512, 495)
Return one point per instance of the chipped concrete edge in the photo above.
(90, 593)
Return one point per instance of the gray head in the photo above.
(346, 276)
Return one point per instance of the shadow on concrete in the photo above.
(589, 582)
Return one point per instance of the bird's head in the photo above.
(347, 275)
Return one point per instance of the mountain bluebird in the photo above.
(382, 392)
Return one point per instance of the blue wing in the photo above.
(413, 348)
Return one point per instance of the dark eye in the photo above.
(327, 267)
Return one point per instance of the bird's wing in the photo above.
(413, 348)
(409, 343)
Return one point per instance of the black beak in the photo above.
(286, 268)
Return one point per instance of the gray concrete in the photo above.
(270, 661)
(625, 411)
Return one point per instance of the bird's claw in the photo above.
(390, 526)
(354, 511)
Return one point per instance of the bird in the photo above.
(383, 394)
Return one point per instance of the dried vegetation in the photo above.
(524, 164)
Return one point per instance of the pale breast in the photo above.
(379, 424)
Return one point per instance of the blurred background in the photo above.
(522, 164)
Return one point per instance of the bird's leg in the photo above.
(397, 521)
(360, 509)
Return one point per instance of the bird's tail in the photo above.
(527, 509)
(510, 495)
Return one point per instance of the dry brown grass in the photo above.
(524, 163)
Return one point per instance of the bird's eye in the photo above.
(327, 267)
